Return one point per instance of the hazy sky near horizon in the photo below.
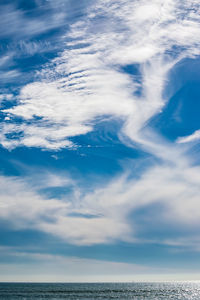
(99, 140)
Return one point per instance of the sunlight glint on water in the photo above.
(54, 291)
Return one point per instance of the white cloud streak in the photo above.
(16, 23)
(190, 138)
(57, 268)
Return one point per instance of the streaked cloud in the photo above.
(190, 138)
(54, 268)
(13, 20)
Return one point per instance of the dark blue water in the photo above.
(54, 291)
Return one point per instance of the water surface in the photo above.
(54, 291)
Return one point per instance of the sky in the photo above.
(99, 140)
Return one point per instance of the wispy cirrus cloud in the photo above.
(13, 19)
(190, 138)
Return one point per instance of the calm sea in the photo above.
(91, 291)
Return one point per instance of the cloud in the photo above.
(108, 213)
(190, 138)
(6, 60)
(13, 20)
(24, 207)
(169, 185)
(31, 48)
(9, 76)
(56, 268)
(4, 97)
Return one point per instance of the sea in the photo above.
(54, 291)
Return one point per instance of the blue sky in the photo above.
(99, 140)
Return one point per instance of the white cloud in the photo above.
(176, 187)
(4, 97)
(13, 19)
(190, 138)
(66, 218)
(107, 213)
(31, 48)
(6, 60)
(9, 76)
(54, 268)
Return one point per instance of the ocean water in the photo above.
(54, 291)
